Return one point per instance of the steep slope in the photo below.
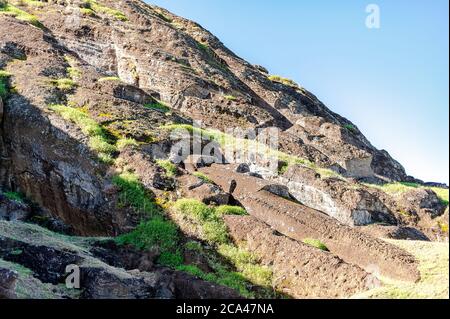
(94, 97)
(196, 74)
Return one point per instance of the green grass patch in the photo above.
(134, 194)
(99, 8)
(4, 87)
(351, 128)
(98, 137)
(109, 78)
(156, 232)
(73, 72)
(168, 166)
(65, 84)
(15, 196)
(215, 232)
(203, 47)
(315, 243)
(230, 210)
(126, 142)
(158, 106)
(213, 229)
(87, 12)
(19, 14)
(203, 177)
(230, 97)
(285, 81)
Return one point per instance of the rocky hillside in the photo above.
(96, 96)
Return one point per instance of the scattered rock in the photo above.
(13, 210)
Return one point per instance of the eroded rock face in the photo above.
(336, 198)
(119, 70)
(194, 72)
(423, 201)
(299, 222)
(303, 271)
(33, 264)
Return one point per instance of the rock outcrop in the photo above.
(91, 94)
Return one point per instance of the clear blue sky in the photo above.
(392, 82)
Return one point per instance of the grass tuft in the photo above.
(4, 87)
(133, 193)
(351, 128)
(285, 81)
(230, 97)
(14, 196)
(203, 177)
(156, 232)
(168, 166)
(64, 84)
(99, 8)
(109, 78)
(158, 106)
(315, 243)
(19, 14)
(230, 210)
(126, 142)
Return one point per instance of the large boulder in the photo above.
(336, 198)
(203, 190)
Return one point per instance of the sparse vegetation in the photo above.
(109, 78)
(99, 8)
(203, 177)
(65, 84)
(215, 232)
(168, 166)
(4, 87)
(203, 47)
(400, 188)
(230, 97)
(134, 194)
(434, 271)
(158, 106)
(315, 243)
(126, 142)
(98, 137)
(88, 12)
(74, 73)
(351, 128)
(8, 9)
(285, 81)
(230, 210)
(15, 196)
(156, 232)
